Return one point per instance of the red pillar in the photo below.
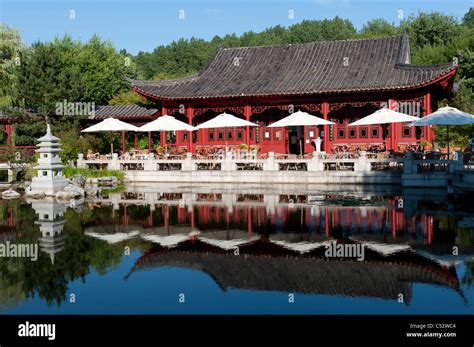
(135, 142)
(325, 112)
(305, 136)
(166, 216)
(9, 131)
(247, 114)
(150, 218)
(429, 136)
(162, 134)
(249, 220)
(149, 142)
(190, 114)
(326, 221)
(125, 215)
(193, 223)
(393, 105)
(430, 229)
(394, 224)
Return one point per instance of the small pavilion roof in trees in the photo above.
(358, 65)
(122, 112)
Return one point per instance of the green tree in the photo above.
(67, 70)
(128, 98)
(49, 75)
(379, 28)
(102, 70)
(468, 18)
(12, 51)
(430, 29)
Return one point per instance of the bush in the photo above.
(69, 171)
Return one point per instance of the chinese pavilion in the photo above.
(338, 80)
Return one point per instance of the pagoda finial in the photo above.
(48, 129)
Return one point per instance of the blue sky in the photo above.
(141, 25)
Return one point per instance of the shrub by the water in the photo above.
(91, 173)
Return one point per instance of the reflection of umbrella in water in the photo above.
(300, 242)
(112, 237)
(166, 241)
(227, 239)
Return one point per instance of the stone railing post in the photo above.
(188, 163)
(227, 163)
(316, 164)
(150, 163)
(80, 161)
(113, 163)
(269, 165)
(362, 164)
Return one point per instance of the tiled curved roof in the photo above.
(301, 69)
(122, 112)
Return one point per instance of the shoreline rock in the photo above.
(10, 194)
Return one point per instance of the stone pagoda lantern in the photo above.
(50, 179)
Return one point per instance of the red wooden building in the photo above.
(339, 80)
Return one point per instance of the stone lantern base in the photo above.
(48, 186)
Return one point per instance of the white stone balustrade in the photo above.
(317, 163)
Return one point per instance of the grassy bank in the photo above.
(91, 173)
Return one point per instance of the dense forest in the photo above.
(40, 75)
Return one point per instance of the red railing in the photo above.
(17, 154)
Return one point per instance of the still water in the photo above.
(241, 249)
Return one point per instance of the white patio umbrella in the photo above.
(225, 120)
(166, 123)
(300, 118)
(384, 117)
(446, 116)
(111, 125)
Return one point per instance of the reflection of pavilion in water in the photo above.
(50, 218)
(281, 238)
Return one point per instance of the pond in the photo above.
(225, 249)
